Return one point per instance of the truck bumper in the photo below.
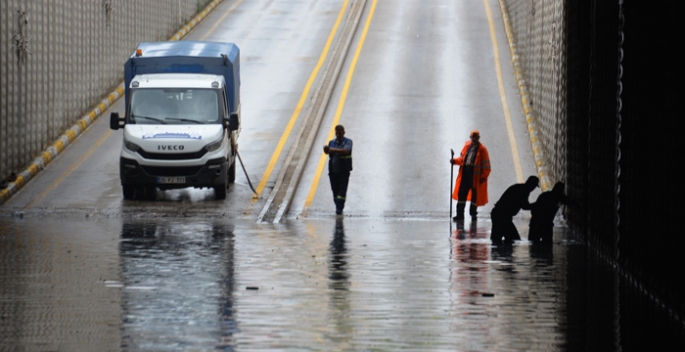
(212, 174)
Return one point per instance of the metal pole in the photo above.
(451, 185)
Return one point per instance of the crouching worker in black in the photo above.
(514, 199)
(543, 212)
(339, 150)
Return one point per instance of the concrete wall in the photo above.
(59, 58)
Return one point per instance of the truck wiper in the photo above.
(185, 120)
(148, 117)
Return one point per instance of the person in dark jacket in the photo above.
(513, 199)
(339, 150)
(543, 212)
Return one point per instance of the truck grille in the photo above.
(181, 156)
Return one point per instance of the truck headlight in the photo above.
(131, 146)
(215, 145)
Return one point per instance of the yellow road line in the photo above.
(339, 110)
(84, 122)
(505, 106)
(528, 111)
(218, 22)
(103, 107)
(71, 169)
(303, 98)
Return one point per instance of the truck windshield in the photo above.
(175, 106)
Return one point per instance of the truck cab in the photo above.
(180, 129)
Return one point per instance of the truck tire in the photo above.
(231, 173)
(220, 191)
(150, 192)
(128, 191)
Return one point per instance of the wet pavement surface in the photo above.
(82, 270)
(319, 284)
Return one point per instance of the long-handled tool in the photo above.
(451, 185)
(245, 171)
(235, 147)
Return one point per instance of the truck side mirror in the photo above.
(115, 121)
(233, 122)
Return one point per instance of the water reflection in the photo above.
(177, 280)
(463, 234)
(471, 252)
(542, 254)
(338, 259)
(339, 283)
(53, 295)
(166, 285)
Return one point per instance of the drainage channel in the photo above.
(280, 198)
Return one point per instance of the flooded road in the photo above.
(81, 269)
(319, 284)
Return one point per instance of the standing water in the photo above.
(329, 284)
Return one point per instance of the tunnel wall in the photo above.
(58, 58)
(602, 80)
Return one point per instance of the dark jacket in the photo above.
(340, 163)
(514, 199)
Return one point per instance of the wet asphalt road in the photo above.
(83, 270)
(323, 285)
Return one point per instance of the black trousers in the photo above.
(465, 186)
(503, 227)
(540, 230)
(339, 182)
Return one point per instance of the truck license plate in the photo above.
(171, 180)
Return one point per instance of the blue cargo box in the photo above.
(188, 57)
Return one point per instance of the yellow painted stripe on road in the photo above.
(86, 120)
(71, 169)
(545, 183)
(339, 110)
(221, 20)
(195, 21)
(505, 105)
(303, 98)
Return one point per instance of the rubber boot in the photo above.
(460, 211)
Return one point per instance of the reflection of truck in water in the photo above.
(182, 117)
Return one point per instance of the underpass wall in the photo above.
(538, 30)
(600, 86)
(58, 58)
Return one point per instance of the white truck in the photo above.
(182, 117)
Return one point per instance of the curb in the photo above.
(68, 137)
(528, 110)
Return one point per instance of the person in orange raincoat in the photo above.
(472, 179)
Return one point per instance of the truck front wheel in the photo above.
(231, 173)
(220, 191)
(150, 192)
(128, 191)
